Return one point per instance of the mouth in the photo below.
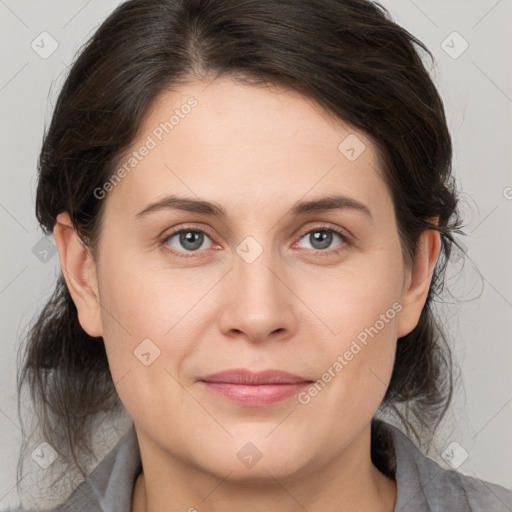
(254, 389)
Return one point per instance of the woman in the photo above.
(253, 207)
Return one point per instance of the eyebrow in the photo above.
(336, 202)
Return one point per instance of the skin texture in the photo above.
(255, 151)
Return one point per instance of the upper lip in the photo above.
(249, 378)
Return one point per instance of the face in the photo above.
(254, 269)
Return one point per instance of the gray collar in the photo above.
(422, 484)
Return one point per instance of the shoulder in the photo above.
(19, 509)
(109, 486)
(424, 486)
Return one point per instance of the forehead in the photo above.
(245, 144)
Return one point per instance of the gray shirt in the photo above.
(422, 484)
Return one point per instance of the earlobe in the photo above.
(79, 270)
(417, 284)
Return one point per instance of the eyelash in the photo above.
(191, 229)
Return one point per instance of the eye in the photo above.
(320, 239)
(188, 240)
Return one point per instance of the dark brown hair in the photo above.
(346, 55)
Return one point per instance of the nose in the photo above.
(257, 303)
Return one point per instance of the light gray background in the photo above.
(477, 90)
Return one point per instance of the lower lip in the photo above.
(255, 396)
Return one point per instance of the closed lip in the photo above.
(246, 377)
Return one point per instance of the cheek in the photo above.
(144, 318)
(359, 308)
(354, 367)
(152, 315)
(352, 297)
(150, 300)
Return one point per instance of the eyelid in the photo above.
(185, 227)
(324, 227)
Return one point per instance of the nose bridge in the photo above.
(258, 303)
(257, 279)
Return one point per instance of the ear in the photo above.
(79, 271)
(417, 282)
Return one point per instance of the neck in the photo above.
(347, 482)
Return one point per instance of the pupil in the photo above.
(321, 239)
(191, 240)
